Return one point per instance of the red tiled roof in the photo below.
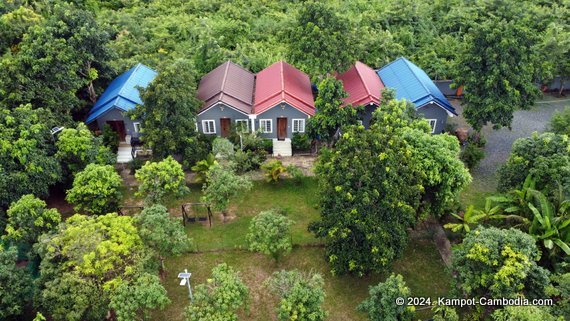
(362, 85)
(228, 83)
(283, 82)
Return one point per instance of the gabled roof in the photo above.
(228, 83)
(362, 85)
(413, 84)
(282, 82)
(122, 92)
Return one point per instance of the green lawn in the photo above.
(421, 264)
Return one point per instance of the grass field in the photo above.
(420, 265)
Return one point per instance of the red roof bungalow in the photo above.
(283, 102)
(227, 92)
(363, 87)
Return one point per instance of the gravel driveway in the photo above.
(499, 142)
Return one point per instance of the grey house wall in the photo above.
(277, 112)
(215, 113)
(434, 111)
(116, 114)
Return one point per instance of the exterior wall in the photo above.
(277, 112)
(116, 114)
(366, 115)
(215, 113)
(434, 111)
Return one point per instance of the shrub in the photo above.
(110, 138)
(197, 149)
(273, 170)
(560, 122)
(248, 160)
(269, 234)
(95, 190)
(472, 155)
(135, 164)
(158, 179)
(295, 173)
(301, 142)
(267, 144)
(202, 167)
(380, 305)
(222, 148)
(301, 295)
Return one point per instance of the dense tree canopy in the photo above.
(169, 111)
(269, 234)
(161, 179)
(380, 305)
(96, 190)
(16, 283)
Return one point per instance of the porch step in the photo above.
(124, 154)
(282, 147)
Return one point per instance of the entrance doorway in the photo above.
(226, 125)
(118, 126)
(281, 128)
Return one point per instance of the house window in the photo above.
(266, 125)
(209, 126)
(298, 125)
(432, 123)
(137, 127)
(242, 125)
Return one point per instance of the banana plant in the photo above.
(470, 217)
(518, 199)
(202, 167)
(547, 226)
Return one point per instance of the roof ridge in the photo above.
(362, 79)
(136, 68)
(282, 79)
(224, 79)
(407, 62)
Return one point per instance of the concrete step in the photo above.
(282, 148)
(124, 154)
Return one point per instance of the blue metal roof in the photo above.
(413, 84)
(122, 92)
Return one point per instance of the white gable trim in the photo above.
(450, 114)
(225, 105)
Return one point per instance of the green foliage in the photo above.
(16, 286)
(169, 110)
(524, 313)
(295, 173)
(375, 183)
(13, 26)
(161, 179)
(77, 147)
(79, 274)
(269, 233)
(55, 62)
(380, 305)
(27, 165)
(202, 167)
(197, 149)
(272, 170)
(319, 40)
(135, 300)
(110, 138)
(560, 122)
(248, 160)
(162, 233)
(544, 156)
(96, 190)
(555, 47)
(135, 164)
(562, 291)
(499, 263)
(222, 148)
(222, 184)
(301, 296)
(28, 218)
(472, 155)
(220, 298)
(444, 313)
(301, 142)
(494, 87)
(331, 117)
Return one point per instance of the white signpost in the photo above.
(185, 280)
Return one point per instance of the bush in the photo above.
(560, 122)
(267, 145)
(248, 160)
(269, 233)
(380, 305)
(159, 179)
(222, 148)
(295, 173)
(273, 170)
(110, 138)
(135, 164)
(197, 149)
(301, 142)
(253, 142)
(472, 155)
(96, 190)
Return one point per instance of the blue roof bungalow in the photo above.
(413, 84)
(121, 96)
